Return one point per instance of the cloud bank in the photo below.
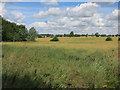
(80, 19)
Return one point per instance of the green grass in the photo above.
(69, 63)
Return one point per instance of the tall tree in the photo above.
(32, 34)
(13, 32)
(71, 34)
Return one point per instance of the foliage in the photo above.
(108, 39)
(86, 35)
(119, 39)
(103, 35)
(13, 32)
(97, 34)
(59, 35)
(55, 39)
(32, 34)
(71, 34)
(39, 36)
(77, 35)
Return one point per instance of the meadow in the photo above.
(76, 62)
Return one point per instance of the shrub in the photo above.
(118, 39)
(54, 39)
(108, 39)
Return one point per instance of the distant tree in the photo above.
(39, 36)
(48, 35)
(86, 35)
(83, 35)
(32, 34)
(97, 34)
(59, 35)
(64, 35)
(109, 35)
(71, 34)
(103, 35)
(77, 35)
(116, 35)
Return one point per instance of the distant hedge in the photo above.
(54, 39)
(108, 39)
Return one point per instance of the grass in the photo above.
(70, 63)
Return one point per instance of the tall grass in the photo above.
(47, 66)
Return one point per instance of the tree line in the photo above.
(71, 34)
(13, 32)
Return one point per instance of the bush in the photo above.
(108, 39)
(54, 39)
(118, 39)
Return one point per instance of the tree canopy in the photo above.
(71, 34)
(13, 32)
(32, 34)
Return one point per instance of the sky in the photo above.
(64, 17)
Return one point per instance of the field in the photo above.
(76, 62)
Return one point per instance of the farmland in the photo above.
(72, 62)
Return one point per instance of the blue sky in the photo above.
(30, 13)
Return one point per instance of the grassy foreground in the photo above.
(72, 62)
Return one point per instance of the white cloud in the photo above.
(50, 12)
(84, 10)
(80, 19)
(17, 16)
(113, 15)
(3, 11)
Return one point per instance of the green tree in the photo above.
(103, 35)
(39, 36)
(71, 34)
(86, 35)
(13, 32)
(32, 34)
(97, 34)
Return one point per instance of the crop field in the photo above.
(76, 62)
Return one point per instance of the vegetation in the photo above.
(13, 32)
(103, 35)
(108, 39)
(32, 34)
(119, 39)
(97, 34)
(0, 28)
(71, 34)
(64, 64)
(55, 39)
(39, 36)
(86, 35)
